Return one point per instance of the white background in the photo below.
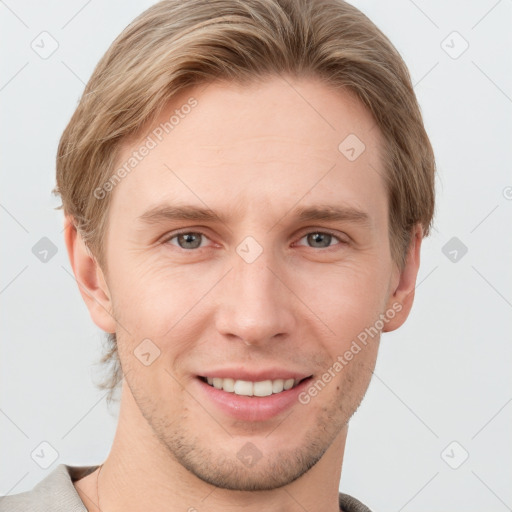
(444, 376)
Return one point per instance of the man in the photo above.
(246, 187)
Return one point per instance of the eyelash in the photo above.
(168, 239)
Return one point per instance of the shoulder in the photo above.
(350, 504)
(55, 493)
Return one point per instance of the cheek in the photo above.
(346, 297)
(170, 307)
(156, 294)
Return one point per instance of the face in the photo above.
(249, 246)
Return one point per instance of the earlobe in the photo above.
(89, 278)
(401, 300)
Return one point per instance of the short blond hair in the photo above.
(176, 44)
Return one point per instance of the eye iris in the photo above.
(193, 239)
(321, 238)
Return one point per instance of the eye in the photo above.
(321, 239)
(190, 240)
(187, 240)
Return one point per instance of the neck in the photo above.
(140, 473)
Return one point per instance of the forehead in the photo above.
(272, 143)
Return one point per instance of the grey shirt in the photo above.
(56, 493)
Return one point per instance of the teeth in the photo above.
(248, 388)
(288, 384)
(277, 385)
(244, 387)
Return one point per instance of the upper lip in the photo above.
(254, 375)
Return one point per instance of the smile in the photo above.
(249, 388)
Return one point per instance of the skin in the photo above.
(298, 306)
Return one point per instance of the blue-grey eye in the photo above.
(319, 240)
(188, 240)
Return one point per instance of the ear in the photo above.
(89, 277)
(402, 298)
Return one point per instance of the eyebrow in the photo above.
(164, 213)
(333, 213)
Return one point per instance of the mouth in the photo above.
(248, 388)
(253, 401)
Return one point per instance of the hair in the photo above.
(178, 44)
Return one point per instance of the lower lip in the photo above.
(253, 408)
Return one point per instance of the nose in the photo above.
(255, 305)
